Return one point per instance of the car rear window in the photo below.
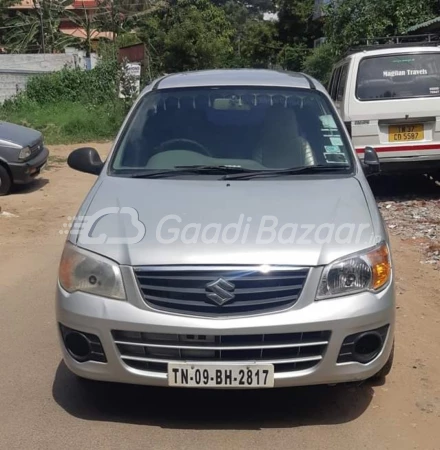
(399, 76)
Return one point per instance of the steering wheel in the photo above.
(199, 148)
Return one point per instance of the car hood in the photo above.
(178, 222)
(10, 133)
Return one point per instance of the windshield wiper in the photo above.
(290, 171)
(222, 168)
(183, 170)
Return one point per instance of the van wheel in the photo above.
(5, 181)
(386, 369)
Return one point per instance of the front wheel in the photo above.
(386, 369)
(5, 181)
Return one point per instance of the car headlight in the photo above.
(84, 271)
(25, 152)
(366, 271)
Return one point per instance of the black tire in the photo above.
(5, 181)
(386, 369)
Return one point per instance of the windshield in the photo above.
(399, 76)
(235, 129)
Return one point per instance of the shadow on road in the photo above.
(35, 185)
(405, 187)
(200, 409)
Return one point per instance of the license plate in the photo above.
(403, 133)
(221, 376)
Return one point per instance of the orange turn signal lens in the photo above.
(380, 262)
(69, 260)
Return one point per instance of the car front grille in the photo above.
(244, 290)
(288, 352)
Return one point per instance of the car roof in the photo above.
(237, 77)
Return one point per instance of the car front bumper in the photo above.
(343, 317)
(25, 172)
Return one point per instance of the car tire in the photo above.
(5, 181)
(386, 369)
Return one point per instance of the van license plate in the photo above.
(403, 133)
(221, 376)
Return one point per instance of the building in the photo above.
(430, 26)
(67, 25)
(15, 70)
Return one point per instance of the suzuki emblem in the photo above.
(220, 291)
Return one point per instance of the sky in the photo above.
(270, 16)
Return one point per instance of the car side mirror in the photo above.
(371, 161)
(86, 160)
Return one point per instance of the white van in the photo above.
(389, 98)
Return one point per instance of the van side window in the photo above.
(331, 82)
(342, 82)
(334, 83)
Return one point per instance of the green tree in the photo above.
(120, 16)
(350, 21)
(198, 38)
(295, 22)
(406, 13)
(4, 4)
(259, 47)
(291, 56)
(189, 35)
(254, 40)
(254, 6)
(238, 15)
(319, 63)
(85, 20)
(38, 31)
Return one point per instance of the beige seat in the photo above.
(281, 146)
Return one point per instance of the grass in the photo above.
(55, 161)
(66, 123)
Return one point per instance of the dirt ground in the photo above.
(43, 406)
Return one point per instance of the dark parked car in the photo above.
(22, 155)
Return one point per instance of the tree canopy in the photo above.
(184, 35)
(350, 21)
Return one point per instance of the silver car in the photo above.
(231, 240)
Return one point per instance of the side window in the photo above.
(334, 83)
(342, 83)
(331, 82)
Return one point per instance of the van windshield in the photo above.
(399, 76)
(233, 129)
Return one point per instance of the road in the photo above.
(43, 406)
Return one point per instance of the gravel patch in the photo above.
(410, 207)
